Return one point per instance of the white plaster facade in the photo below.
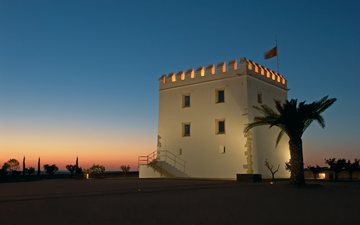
(205, 153)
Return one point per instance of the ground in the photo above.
(157, 201)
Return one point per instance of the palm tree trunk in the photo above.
(296, 161)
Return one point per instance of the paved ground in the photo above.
(185, 202)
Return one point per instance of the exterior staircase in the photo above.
(165, 163)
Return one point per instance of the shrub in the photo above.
(50, 169)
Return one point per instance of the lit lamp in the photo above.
(322, 176)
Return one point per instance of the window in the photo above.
(186, 101)
(220, 127)
(259, 98)
(186, 130)
(220, 96)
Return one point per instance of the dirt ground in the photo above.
(185, 202)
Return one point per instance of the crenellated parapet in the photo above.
(258, 70)
(222, 70)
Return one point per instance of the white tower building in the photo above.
(202, 116)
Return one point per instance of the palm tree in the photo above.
(293, 119)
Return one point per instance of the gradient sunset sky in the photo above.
(80, 78)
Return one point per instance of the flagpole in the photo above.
(277, 56)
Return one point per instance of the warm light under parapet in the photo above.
(222, 70)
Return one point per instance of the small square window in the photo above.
(220, 96)
(186, 129)
(222, 149)
(259, 98)
(186, 101)
(220, 127)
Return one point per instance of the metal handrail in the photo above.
(172, 159)
(163, 155)
(145, 160)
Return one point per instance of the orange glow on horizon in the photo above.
(110, 150)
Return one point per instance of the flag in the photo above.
(271, 53)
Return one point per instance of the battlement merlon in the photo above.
(221, 71)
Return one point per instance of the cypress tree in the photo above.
(38, 170)
(23, 169)
(77, 170)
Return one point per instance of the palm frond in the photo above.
(312, 111)
(255, 124)
(266, 110)
(325, 103)
(292, 118)
(321, 121)
(279, 107)
(281, 133)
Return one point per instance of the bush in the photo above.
(30, 171)
(125, 169)
(50, 169)
(97, 169)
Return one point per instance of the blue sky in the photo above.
(92, 66)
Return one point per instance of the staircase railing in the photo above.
(163, 155)
(147, 159)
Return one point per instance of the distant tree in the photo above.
(78, 170)
(23, 167)
(271, 168)
(4, 169)
(336, 165)
(71, 169)
(30, 171)
(38, 168)
(13, 166)
(125, 169)
(50, 169)
(351, 167)
(96, 169)
(315, 170)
